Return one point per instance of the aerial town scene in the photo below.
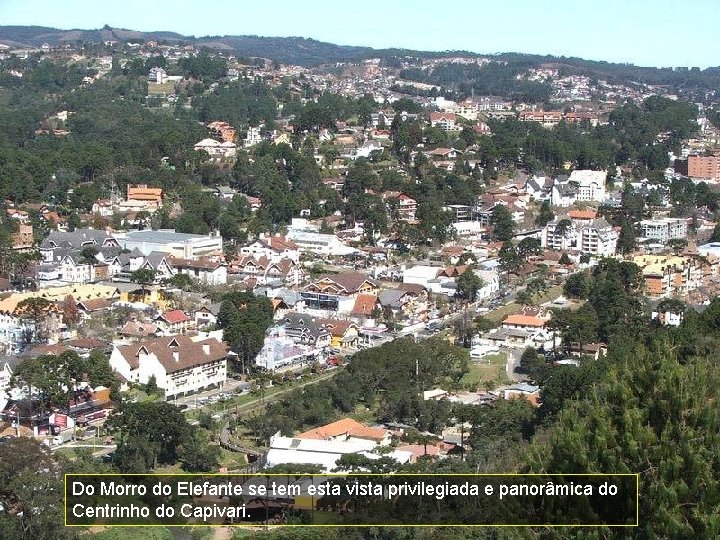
(236, 254)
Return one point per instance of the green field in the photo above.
(488, 372)
(155, 89)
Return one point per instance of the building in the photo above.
(180, 245)
(157, 75)
(663, 229)
(305, 329)
(273, 248)
(599, 238)
(325, 245)
(669, 275)
(180, 364)
(405, 205)
(222, 130)
(252, 137)
(151, 197)
(338, 292)
(707, 167)
(580, 186)
(443, 120)
(209, 270)
(266, 271)
(23, 239)
(561, 234)
(215, 149)
(524, 322)
(348, 429)
(281, 351)
(174, 321)
(325, 445)
(546, 118)
(59, 243)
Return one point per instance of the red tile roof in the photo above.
(347, 427)
(524, 320)
(364, 304)
(175, 316)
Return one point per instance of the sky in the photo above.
(662, 33)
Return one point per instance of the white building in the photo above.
(179, 363)
(491, 283)
(710, 249)
(180, 245)
(663, 229)
(212, 271)
(273, 248)
(216, 149)
(252, 137)
(582, 185)
(591, 184)
(599, 238)
(281, 351)
(596, 237)
(319, 244)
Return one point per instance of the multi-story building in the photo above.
(338, 292)
(444, 120)
(546, 118)
(580, 186)
(599, 238)
(212, 271)
(595, 237)
(180, 245)
(670, 275)
(703, 167)
(272, 248)
(180, 364)
(406, 205)
(663, 229)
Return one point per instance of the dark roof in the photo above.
(349, 281)
(76, 239)
(189, 353)
(297, 322)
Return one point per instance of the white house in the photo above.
(212, 271)
(273, 247)
(179, 363)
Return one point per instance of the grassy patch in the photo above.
(232, 460)
(363, 415)
(488, 372)
(155, 89)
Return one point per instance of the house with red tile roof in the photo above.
(174, 321)
(521, 321)
(347, 429)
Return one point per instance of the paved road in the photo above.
(231, 386)
(513, 361)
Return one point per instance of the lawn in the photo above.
(489, 370)
(161, 89)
